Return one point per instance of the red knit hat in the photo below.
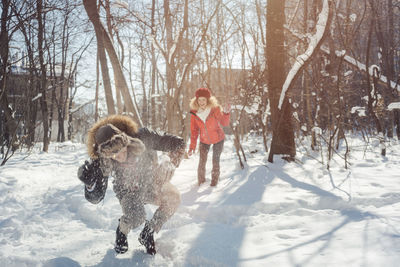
(203, 92)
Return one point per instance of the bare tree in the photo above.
(153, 66)
(8, 134)
(43, 79)
(282, 127)
(104, 38)
(92, 10)
(24, 15)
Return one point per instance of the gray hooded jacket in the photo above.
(142, 173)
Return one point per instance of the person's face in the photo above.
(202, 101)
(121, 156)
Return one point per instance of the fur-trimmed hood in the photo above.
(124, 123)
(212, 103)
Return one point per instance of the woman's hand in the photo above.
(190, 152)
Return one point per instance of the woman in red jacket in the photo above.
(207, 117)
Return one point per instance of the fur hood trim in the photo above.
(124, 123)
(118, 142)
(212, 103)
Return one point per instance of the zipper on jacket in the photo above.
(205, 125)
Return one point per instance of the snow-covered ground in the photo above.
(281, 214)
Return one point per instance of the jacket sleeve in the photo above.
(222, 117)
(156, 141)
(194, 132)
(95, 181)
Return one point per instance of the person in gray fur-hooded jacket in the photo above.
(118, 148)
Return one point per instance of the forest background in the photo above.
(294, 69)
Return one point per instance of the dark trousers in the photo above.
(201, 171)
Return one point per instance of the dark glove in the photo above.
(90, 172)
(176, 156)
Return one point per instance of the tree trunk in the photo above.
(70, 118)
(170, 70)
(145, 108)
(119, 76)
(307, 88)
(371, 88)
(391, 64)
(43, 78)
(282, 126)
(31, 92)
(153, 67)
(91, 10)
(120, 107)
(10, 122)
(64, 83)
(96, 112)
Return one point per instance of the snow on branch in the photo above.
(372, 72)
(394, 105)
(314, 44)
(352, 62)
(37, 97)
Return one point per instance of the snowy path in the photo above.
(281, 214)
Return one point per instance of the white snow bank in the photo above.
(281, 214)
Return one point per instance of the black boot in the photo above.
(146, 239)
(121, 242)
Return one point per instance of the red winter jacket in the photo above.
(211, 131)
